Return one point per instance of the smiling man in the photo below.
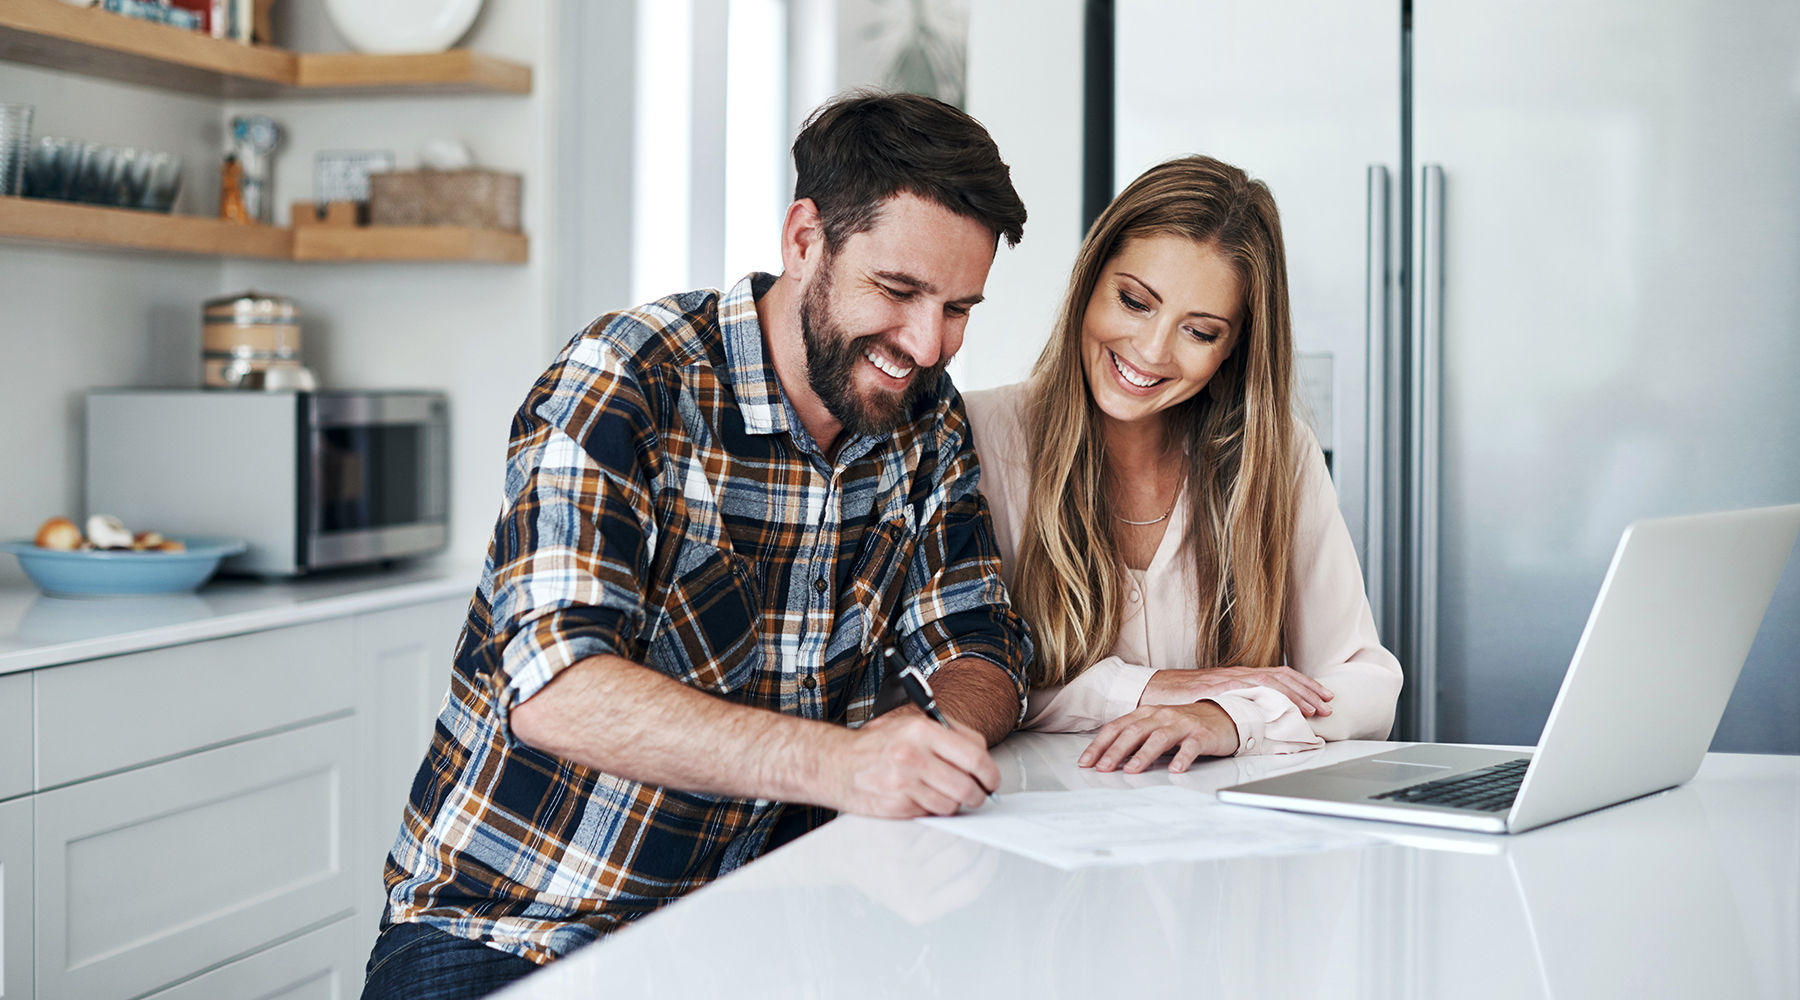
(722, 510)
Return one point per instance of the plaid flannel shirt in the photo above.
(664, 504)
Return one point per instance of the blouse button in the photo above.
(1133, 596)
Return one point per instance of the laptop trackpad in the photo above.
(1390, 771)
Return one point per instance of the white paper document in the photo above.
(1139, 826)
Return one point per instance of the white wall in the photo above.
(72, 319)
(1025, 82)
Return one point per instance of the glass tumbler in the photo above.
(15, 143)
(164, 182)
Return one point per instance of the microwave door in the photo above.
(378, 480)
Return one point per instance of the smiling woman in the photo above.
(1159, 510)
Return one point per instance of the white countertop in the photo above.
(37, 630)
(1687, 893)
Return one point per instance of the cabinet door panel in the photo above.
(15, 734)
(310, 967)
(147, 876)
(15, 899)
(117, 712)
(403, 666)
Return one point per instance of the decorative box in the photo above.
(479, 199)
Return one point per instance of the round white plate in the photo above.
(402, 26)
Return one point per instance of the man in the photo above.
(722, 510)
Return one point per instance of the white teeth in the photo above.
(1132, 375)
(892, 370)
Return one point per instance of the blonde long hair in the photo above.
(1237, 435)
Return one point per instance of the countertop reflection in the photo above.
(1690, 892)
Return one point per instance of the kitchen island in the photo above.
(1690, 892)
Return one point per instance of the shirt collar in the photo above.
(753, 379)
(762, 402)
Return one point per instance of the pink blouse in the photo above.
(1331, 632)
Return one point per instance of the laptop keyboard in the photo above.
(1490, 789)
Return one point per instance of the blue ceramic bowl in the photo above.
(122, 574)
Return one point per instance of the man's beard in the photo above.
(831, 358)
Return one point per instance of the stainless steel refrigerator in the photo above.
(1554, 252)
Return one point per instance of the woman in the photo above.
(1159, 509)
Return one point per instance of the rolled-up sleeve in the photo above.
(576, 537)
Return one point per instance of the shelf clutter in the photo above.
(37, 220)
(101, 44)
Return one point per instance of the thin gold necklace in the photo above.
(1154, 520)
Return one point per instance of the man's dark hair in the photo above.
(859, 150)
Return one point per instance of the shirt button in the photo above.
(810, 682)
(1249, 741)
(820, 585)
(1133, 597)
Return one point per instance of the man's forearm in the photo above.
(620, 717)
(979, 695)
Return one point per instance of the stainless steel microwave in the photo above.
(311, 480)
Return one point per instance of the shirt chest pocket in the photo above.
(877, 584)
(706, 632)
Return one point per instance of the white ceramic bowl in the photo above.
(402, 26)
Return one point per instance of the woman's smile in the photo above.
(1133, 376)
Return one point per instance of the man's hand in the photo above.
(1197, 730)
(903, 764)
(1185, 687)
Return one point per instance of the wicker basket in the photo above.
(479, 199)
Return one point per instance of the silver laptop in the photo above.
(1662, 649)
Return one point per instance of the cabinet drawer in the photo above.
(15, 734)
(15, 899)
(146, 877)
(121, 711)
(314, 966)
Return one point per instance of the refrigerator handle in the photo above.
(1428, 342)
(1376, 323)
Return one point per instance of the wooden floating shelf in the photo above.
(37, 220)
(409, 243)
(54, 222)
(96, 43)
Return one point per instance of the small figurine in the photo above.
(231, 191)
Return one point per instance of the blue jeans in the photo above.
(417, 962)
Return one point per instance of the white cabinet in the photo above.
(146, 876)
(15, 899)
(121, 711)
(211, 819)
(15, 735)
(308, 967)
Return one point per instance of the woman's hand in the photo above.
(1184, 687)
(1200, 729)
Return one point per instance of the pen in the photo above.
(918, 690)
